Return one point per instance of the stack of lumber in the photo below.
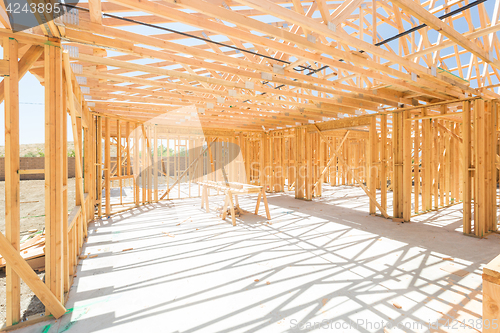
(33, 251)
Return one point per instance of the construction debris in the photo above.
(32, 248)
(189, 218)
(237, 211)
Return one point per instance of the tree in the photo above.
(164, 151)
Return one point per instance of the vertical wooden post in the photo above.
(368, 158)
(76, 129)
(80, 196)
(119, 156)
(416, 165)
(322, 148)
(92, 170)
(136, 170)
(298, 163)
(264, 156)
(282, 169)
(107, 165)
(455, 164)
(12, 187)
(65, 244)
(53, 170)
(240, 157)
(155, 163)
(493, 226)
(333, 175)
(162, 168)
(168, 165)
(99, 166)
(308, 156)
(447, 169)
(143, 169)
(458, 131)
(426, 163)
(347, 156)
(248, 166)
(340, 167)
(407, 166)
(441, 152)
(383, 161)
(372, 171)
(397, 142)
(435, 164)
(270, 161)
(491, 297)
(148, 164)
(261, 160)
(128, 142)
(480, 172)
(87, 170)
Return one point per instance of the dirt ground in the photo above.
(32, 217)
(33, 204)
(34, 148)
(30, 304)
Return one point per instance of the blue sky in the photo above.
(31, 112)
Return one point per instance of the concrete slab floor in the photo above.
(323, 266)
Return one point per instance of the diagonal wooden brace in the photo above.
(23, 269)
(349, 169)
(334, 156)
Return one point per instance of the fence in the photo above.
(35, 163)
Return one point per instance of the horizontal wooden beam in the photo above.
(421, 106)
(197, 131)
(31, 171)
(339, 124)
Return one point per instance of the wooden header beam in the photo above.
(339, 124)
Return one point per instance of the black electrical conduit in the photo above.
(311, 70)
(456, 11)
(302, 68)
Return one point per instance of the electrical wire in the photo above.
(456, 11)
(302, 68)
(206, 40)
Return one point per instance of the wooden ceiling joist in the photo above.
(284, 62)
